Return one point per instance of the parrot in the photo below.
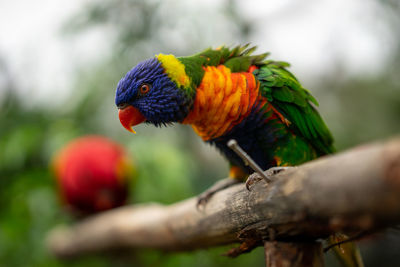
(92, 173)
(229, 93)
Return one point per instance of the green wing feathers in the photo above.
(286, 94)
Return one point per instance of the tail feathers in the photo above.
(347, 253)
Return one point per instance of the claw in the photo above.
(275, 170)
(202, 200)
(255, 177)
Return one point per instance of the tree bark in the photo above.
(293, 254)
(358, 190)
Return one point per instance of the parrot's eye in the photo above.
(144, 88)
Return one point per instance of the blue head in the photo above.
(153, 94)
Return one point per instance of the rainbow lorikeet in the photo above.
(228, 94)
(92, 173)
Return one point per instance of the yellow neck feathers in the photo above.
(174, 69)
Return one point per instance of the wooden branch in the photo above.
(358, 190)
(294, 254)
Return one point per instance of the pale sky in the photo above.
(313, 35)
(36, 53)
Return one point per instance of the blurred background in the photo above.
(60, 62)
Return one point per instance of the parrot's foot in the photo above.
(255, 177)
(204, 197)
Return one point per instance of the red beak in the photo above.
(130, 116)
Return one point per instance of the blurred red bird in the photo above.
(92, 174)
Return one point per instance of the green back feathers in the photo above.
(240, 58)
(286, 94)
(193, 68)
(237, 59)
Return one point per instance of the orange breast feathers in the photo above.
(223, 100)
